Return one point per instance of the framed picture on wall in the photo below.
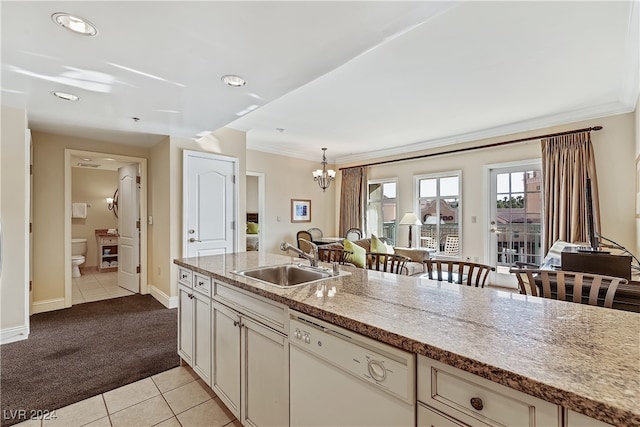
(300, 210)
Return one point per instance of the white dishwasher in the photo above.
(341, 378)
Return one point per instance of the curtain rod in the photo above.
(479, 147)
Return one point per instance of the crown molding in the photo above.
(604, 110)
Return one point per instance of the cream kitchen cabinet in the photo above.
(452, 397)
(107, 253)
(575, 419)
(194, 331)
(250, 359)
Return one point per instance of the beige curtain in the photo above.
(567, 162)
(352, 199)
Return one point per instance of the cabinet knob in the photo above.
(236, 323)
(184, 276)
(477, 404)
(200, 283)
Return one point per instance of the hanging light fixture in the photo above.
(323, 176)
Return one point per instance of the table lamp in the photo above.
(410, 219)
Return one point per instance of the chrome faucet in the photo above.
(312, 257)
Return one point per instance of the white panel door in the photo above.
(209, 204)
(128, 220)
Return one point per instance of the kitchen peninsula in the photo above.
(583, 359)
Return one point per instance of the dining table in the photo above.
(327, 240)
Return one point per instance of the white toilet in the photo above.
(78, 251)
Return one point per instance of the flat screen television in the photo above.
(591, 227)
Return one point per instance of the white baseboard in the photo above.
(17, 333)
(47, 305)
(166, 300)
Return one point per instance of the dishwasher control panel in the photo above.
(384, 366)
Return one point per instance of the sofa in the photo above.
(415, 267)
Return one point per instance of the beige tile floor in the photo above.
(96, 286)
(177, 397)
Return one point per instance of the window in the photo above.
(439, 197)
(382, 207)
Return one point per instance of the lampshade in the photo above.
(410, 218)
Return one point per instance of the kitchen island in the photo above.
(585, 359)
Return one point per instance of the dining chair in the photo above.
(452, 246)
(303, 237)
(460, 272)
(428, 242)
(316, 233)
(389, 263)
(585, 288)
(353, 234)
(333, 255)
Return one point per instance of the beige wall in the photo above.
(92, 186)
(159, 207)
(48, 206)
(14, 214)
(166, 195)
(287, 178)
(637, 199)
(252, 194)
(614, 148)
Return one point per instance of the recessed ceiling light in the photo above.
(75, 24)
(233, 80)
(66, 96)
(280, 130)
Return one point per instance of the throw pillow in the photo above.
(358, 255)
(252, 228)
(378, 245)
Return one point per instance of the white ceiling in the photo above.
(363, 79)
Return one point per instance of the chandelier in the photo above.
(323, 176)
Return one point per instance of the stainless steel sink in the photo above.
(286, 276)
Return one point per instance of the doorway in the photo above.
(255, 210)
(515, 217)
(72, 156)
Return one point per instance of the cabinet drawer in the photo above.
(185, 276)
(429, 417)
(202, 284)
(109, 240)
(261, 309)
(477, 401)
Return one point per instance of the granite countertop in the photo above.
(581, 357)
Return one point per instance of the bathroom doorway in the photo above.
(255, 207)
(102, 206)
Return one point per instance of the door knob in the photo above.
(193, 239)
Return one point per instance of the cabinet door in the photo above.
(202, 336)
(265, 376)
(575, 419)
(185, 324)
(226, 356)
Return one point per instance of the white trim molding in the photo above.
(164, 299)
(48, 305)
(14, 334)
